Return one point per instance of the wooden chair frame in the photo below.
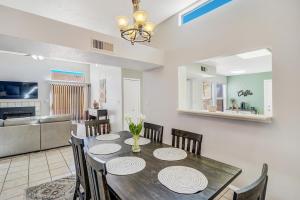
(81, 168)
(194, 141)
(97, 127)
(255, 191)
(153, 132)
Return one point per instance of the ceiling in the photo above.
(229, 64)
(97, 15)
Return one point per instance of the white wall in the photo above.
(23, 68)
(241, 25)
(113, 76)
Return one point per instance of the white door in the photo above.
(132, 98)
(268, 104)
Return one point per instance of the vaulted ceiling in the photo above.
(97, 15)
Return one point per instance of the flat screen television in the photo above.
(18, 90)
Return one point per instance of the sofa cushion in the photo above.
(21, 121)
(1, 122)
(55, 118)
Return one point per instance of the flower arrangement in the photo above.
(135, 128)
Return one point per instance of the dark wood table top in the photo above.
(144, 185)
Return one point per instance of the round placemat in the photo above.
(107, 137)
(184, 180)
(142, 141)
(169, 154)
(125, 165)
(103, 149)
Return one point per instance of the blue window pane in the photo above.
(202, 9)
(67, 72)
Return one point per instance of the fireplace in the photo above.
(16, 112)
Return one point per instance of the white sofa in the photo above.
(23, 135)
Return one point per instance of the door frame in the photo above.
(123, 95)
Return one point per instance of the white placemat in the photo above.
(142, 141)
(184, 180)
(125, 165)
(107, 137)
(169, 154)
(103, 149)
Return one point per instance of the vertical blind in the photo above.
(68, 99)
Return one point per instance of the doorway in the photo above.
(132, 99)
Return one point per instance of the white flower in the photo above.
(142, 117)
(128, 119)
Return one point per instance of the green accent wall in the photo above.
(252, 82)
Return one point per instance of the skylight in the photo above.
(200, 9)
(254, 54)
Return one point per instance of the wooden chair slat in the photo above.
(195, 138)
(97, 127)
(188, 145)
(153, 132)
(183, 143)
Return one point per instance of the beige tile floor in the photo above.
(19, 172)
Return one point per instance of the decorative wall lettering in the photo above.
(244, 93)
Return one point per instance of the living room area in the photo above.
(43, 101)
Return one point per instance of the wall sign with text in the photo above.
(245, 93)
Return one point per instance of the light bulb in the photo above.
(149, 27)
(140, 17)
(35, 57)
(41, 57)
(122, 22)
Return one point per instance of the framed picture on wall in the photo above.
(206, 90)
(102, 91)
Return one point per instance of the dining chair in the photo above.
(103, 114)
(189, 141)
(255, 191)
(81, 169)
(97, 127)
(153, 132)
(97, 178)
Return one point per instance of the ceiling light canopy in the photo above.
(254, 54)
(141, 30)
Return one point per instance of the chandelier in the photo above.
(140, 30)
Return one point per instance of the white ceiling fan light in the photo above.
(254, 54)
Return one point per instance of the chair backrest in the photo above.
(153, 132)
(97, 177)
(189, 141)
(103, 114)
(97, 127)
(255, 191)
(80, 163)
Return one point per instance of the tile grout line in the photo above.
(65, 161)
(48, 166)
(28, 170)
(5, 176)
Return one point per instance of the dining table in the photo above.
(145, 185)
